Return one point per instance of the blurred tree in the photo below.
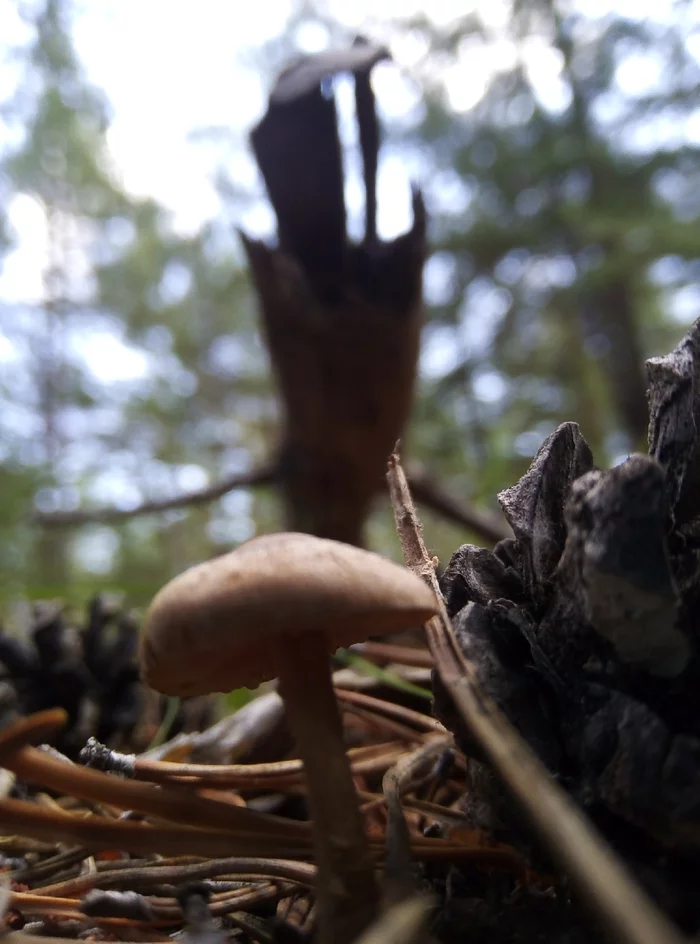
(565, 203)
(554, 149)
(188, 396)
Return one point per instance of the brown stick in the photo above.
(273, 775)
(399, 882)
(621, 906)
(302, 873)
(166, 802)
(427, 491)
(382, 707)
(18, 817)
(265, 474)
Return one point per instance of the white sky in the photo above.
(169, 67)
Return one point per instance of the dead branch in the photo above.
(341, 320)
(426, 490)
(265, 474)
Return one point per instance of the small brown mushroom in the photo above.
(277, 606)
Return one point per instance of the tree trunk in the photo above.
(341, 321)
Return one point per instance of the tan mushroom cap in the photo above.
(213, 628)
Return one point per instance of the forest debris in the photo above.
(100, 833)
(238, 735)
(342, 321)
(619, 903)
(417, 719)
(306, 73)
(167, 803)
(56, 898)
(398, 878)
(127, 904)
(275, 775)
(390, 652)
(143, 876)
(584, 631)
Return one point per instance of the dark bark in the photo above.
(341, 321)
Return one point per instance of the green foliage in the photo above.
(200, 404)
(573, 209)
(365, 667)
(236, 699)
(564, 238)
(18, 486)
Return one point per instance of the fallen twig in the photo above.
(165, 802)
(402, 655)
(275, 775)
(392, 710)
(399, 882)
(302, 873)
(487, 526)
(265, 474)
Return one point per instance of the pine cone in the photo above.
(584, 628)
(90, 672)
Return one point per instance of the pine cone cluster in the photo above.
(90, 671)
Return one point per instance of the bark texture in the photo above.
(341, 320)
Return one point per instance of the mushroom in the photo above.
(278, 605)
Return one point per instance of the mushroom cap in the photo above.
(213, 628)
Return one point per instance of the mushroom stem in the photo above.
(347, 893)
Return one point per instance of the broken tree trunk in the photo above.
(584, 629)
(341, 321)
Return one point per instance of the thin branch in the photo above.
(602, 880)
(262, 475)
(428, 492)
